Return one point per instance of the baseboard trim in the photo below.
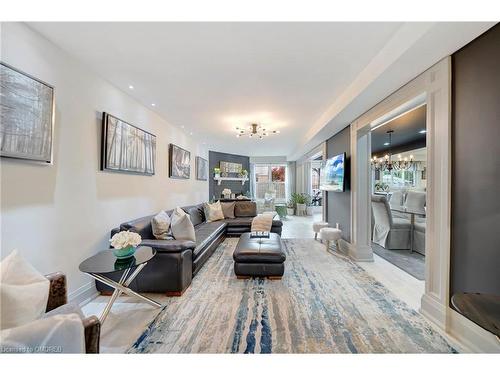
(359, 253)
(84, 294)
(433, 310)
(470, 335)
(462, 333)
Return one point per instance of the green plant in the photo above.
(290, 203)
(301, 198)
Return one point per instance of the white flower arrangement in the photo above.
(226, 191)
(125, 239)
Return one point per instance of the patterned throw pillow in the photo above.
(182, 227)
(228, 209)
(161, 226)
(213, 211)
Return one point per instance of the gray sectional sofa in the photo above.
(178, 261)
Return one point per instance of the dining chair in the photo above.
(390, 232)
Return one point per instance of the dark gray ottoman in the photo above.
(259, 257)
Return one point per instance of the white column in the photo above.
(360, 249)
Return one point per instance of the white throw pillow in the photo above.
(213, 211)
(182, 227)
(62, 333)
(23, 291)
(161, 226)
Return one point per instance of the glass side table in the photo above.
(103, 263)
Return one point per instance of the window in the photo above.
(399, 178)
(270, 180)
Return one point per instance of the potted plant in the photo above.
(216, 172)
(309, 206)
(290, 207)
(243, 173)
(300, 200)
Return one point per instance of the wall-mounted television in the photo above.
(333, 174)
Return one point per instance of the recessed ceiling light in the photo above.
(182, 126)
(190, 133)
(423, 131)
(130, 87)
(386, 144)
(153, 104)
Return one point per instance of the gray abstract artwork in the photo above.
(26, 116)
(201, 169)
(127, 148)
(180, 162)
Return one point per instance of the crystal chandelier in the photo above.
(254, 131)
(386, 163)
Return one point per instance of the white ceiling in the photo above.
(307, 80)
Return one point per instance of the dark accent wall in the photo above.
(214, 159)
(475, 204)
(338, 208)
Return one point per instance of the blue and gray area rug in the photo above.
(324, 304)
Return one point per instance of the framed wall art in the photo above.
(201, 169)
(26, 116)
(179, 162)
(126, 148)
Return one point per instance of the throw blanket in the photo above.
(262, 223)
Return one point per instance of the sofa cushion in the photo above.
(195, 213)
(206, 233)
(239, 221)
(228, 209)
(245, 209)
(182, 227)
(142, 226)
(169, 246)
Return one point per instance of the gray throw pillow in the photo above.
(161, 226)
(228, 209)
(182, 227)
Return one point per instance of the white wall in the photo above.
(58, 215)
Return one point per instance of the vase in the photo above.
(290, 211)
(125, 252)
(309, 210)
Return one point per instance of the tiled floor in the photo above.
(128, 318)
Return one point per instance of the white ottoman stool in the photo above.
(331, 234)
(317, 226)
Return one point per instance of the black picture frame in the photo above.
(140, 159)
(179, 162)
(201, 169)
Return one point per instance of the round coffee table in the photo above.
(103, 263)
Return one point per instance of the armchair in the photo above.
(58, 299)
